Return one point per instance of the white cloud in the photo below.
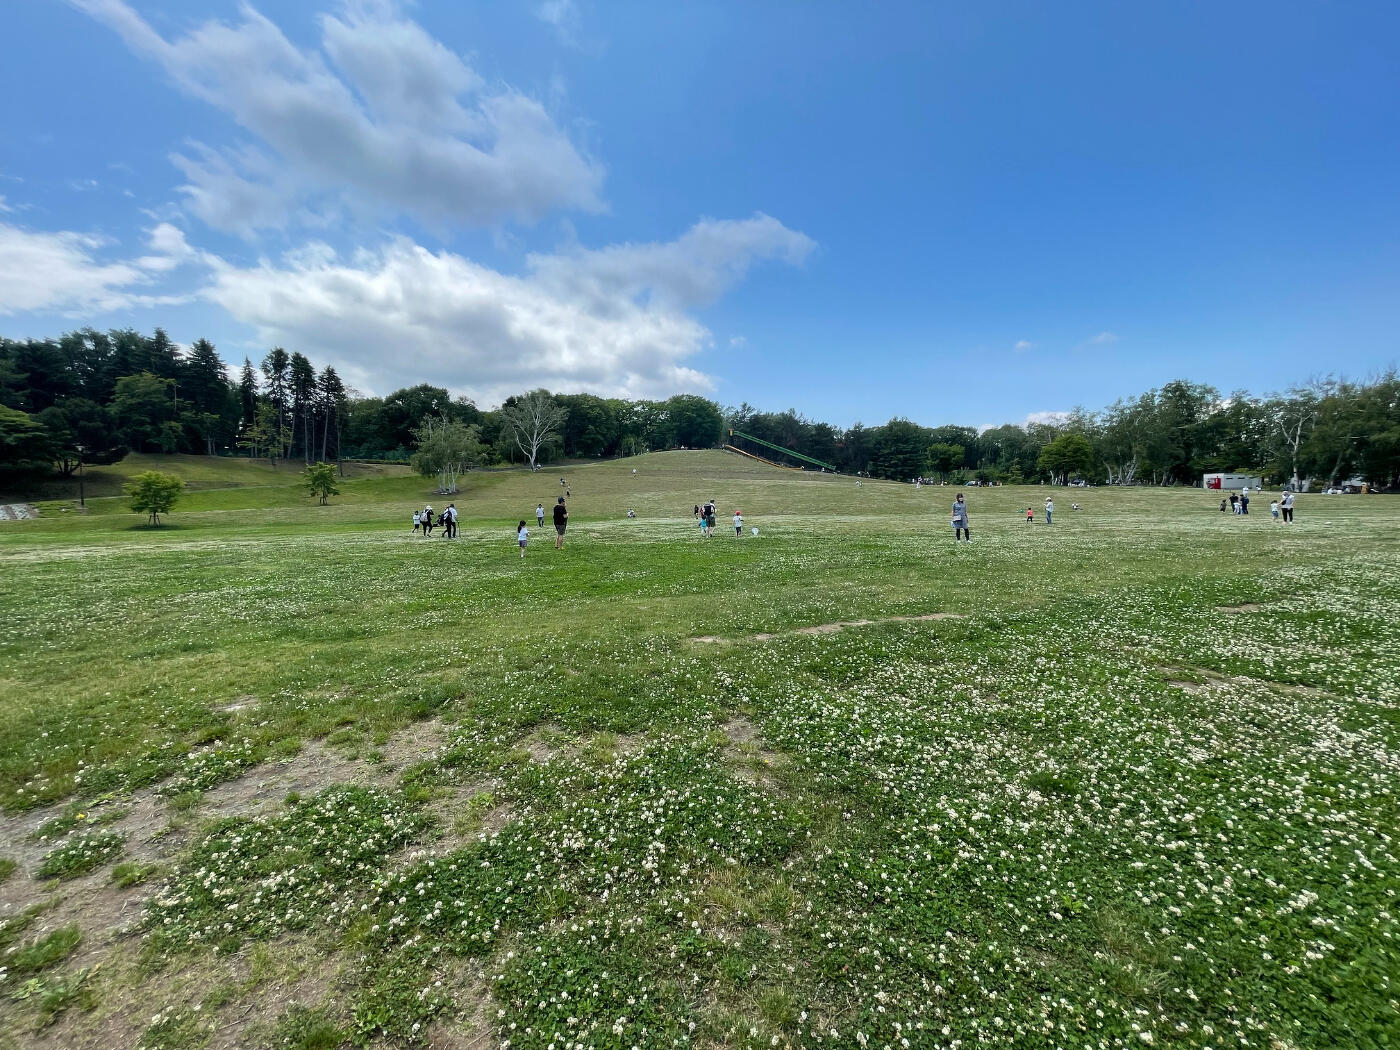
(1023, 345)
(1103, 339)
(738, 341)
(3, 206)
(382, 114)
(1045, 418)
(611, 321)
(60, 271)
(562, 15)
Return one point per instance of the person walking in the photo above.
(1049, 510)
(428, 520)
(1288, 507)
(522, 536)
(1244, 502)
(417, 520)
(960, 525)
(561, 522)
(451, 515)
(1030, 515)
(539, 515)
(738, 524)
(711, 512)
(1234, 503)
(1273, 509)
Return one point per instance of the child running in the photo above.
(738, 525)
(522, 536)
(1030, 515)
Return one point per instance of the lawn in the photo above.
(289, 775)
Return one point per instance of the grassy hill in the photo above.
(285, 775)
(199, 473)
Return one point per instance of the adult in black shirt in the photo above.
(561, 522)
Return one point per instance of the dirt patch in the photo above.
(17, 511)
(314, 768)
(827, 628)
(1247, 607)
(740, 730)
(545, 743)
(750, 762)
(470, 1027)
(239, 997)
(1197, 688)
(238, 703)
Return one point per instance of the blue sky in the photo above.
(966, 213)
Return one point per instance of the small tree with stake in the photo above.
(320, 479)
(154, 493)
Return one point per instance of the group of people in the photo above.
(1239, 504)
(708, 517)
(424, 522)
(561, 524)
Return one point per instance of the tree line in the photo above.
(93, 396)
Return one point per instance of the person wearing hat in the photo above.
(561, 522)
(1049, 509)
(428, 520)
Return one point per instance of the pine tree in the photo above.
(332, 402)
(302, 381)
(248, 394)
(274, 368)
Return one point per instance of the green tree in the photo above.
(320, 479)
(26, 445)
(83, 431)
(695, 421)
(447, 449)
(153, 492)
(897, 450)
(144, 407)
(944, 458)
(1067, 455)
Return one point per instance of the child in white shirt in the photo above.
(738, 524)
(522, 536)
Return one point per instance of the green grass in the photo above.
(1140, 787)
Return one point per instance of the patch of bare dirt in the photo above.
(751, 763)
(545, 743)
(240, 997)
(828, 628)
(314, 768)
(470, 1027)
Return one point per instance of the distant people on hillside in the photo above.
(522, 536)
(631, 513)
(561, 522)
(960, 526)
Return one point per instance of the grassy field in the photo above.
(285, 775)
